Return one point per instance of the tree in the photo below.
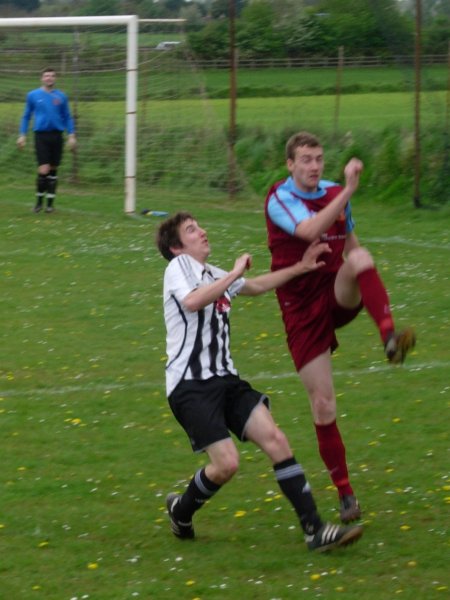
(308, 36)
(101, 7)
(193, 15)
(431, 9)
(436, 36)
(147, 9)
(212, 41)
(368, 26)
(257, 36)
(173, 7)
(219, 9)
(23, 5)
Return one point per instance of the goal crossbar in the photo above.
(131, 22)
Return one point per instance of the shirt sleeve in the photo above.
(285, 214)
(28, 111)
(235, 287)
(182, 277)
(349, 222)
(67, 116)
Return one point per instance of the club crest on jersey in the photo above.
(222, 305)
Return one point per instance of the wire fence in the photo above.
(325, 61)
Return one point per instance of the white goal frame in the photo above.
(131, 22)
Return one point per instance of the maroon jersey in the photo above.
(308, 305)
(287, 249)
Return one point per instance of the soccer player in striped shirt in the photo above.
(204, 389)
(299, 209)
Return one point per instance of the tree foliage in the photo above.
(21, 5)
(101, 8)
(257, 36)
(299, 28)
(211, 41)
(308, 35)
(436, 36)
(277, 28)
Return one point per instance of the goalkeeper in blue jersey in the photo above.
(50, 108)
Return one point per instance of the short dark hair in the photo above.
(48, 70)
(302, 138)
(168, 235)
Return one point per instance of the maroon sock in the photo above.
(332, 451)
(376, 301)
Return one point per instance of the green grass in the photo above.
(86, 37)
(377, 127)
(90, 448)
(356, 111)
(165, 75)
(312, 81)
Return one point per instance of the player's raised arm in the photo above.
(268, 281)
(206, 294)
(315, 226)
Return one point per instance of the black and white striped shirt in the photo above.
(197, 343)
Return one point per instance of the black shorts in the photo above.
(208, 410)
(49, 147)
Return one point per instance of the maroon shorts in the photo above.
(311, 329)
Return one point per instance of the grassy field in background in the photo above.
(90, 448)
(378, 127)
(161, 77)
(299, 80)
(197, 126)
(89, 37)
(356, 111)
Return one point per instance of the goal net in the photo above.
(143, 121)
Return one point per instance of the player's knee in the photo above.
(360, 259)
(324, 409)
(228, 467)
(275, 444)
(227, 471)
(278, 441)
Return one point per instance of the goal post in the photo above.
(131, 23)
(147, 124)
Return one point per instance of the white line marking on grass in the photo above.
(405, 242)
(71, 389)
(364, 371)
(105, 387)
(107, 249)
(102, 249)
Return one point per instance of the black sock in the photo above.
(293, 484)
(199, 490)
(52, 181)
(41, 188)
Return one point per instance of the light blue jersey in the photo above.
(286, 206)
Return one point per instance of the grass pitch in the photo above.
(90, 448)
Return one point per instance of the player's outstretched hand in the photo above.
(313, 251)
(21, 142)
(241, 264)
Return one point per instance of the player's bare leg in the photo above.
(317, 378)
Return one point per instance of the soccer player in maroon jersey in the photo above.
(302, 208)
